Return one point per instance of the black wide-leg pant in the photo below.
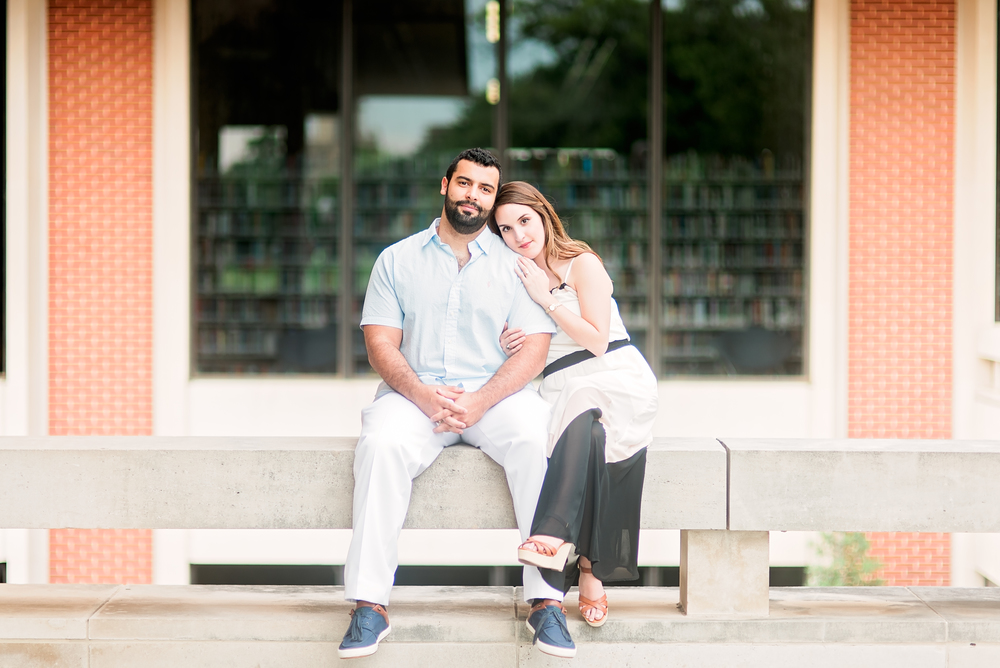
(592, 504)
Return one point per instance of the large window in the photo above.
(423, 70)
(268, 184)
(672, 138)
(579, 98)
(734, 188)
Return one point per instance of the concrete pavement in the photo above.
(110, 626)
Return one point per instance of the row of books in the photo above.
(308, 313)
(693, 196)
(257, 224)
(725, 225)
(777, 313)
(372, 189)
(221, 253)
(774, 313)
(267, 191)
(716, 255)
(572, 195)
(722, 283)
(237, 341)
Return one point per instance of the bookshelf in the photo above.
(732, 277)
(267, 279)
(733, 274)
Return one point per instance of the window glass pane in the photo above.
(578, 116)
(423, 70)
(267, 185)
(736, 118)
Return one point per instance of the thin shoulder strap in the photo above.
(569, 269)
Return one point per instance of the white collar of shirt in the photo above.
(484, 240)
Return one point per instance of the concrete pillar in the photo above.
(725, 573)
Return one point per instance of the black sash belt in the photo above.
(579, 356)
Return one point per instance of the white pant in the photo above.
(398, 443)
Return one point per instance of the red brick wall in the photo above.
(913, 559)
(101, 556)
(901, 203)
(100, 251)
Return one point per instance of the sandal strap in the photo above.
(541, 548)
(600, 604)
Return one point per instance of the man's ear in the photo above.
(444, 185)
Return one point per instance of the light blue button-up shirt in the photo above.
(451, 319)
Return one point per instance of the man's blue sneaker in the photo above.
(548, 623)
(369, 625)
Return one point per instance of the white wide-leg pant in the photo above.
(398, 442)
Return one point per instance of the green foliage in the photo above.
(850, 564)
(735, 78)
(265, 154)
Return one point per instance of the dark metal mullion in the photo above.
(501, 118)
(194, 141)
(654, 335)
(345, 307)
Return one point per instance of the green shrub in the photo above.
(850, 565)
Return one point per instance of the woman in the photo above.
(604, 402)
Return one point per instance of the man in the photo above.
(434, 309)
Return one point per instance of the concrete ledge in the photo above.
(863, 485)
(297, 483)
(279, 627)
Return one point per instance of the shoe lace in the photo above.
(552, 611)
(355, 628)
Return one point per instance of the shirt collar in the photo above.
(485, 240)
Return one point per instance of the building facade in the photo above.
(797, 202)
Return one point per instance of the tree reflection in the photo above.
(735, 78)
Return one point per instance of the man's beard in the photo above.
(462, 222)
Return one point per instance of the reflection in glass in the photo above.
(729, 287)
(423, 74)
(267, 185)
(578, 115)
(734, 191)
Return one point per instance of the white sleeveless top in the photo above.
(562, 343)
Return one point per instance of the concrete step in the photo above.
(109, 626)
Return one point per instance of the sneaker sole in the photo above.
(551, 650)
(358, 652)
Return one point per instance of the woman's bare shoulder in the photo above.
(589, 270)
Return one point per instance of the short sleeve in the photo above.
(528, 315)
(381, 303)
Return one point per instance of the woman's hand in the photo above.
(535, 280)
(511, 340)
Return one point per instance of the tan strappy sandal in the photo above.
(544, 555)
(586, 605)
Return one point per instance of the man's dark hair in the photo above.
(479, 156)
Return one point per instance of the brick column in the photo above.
(100, 252)
(902, 141)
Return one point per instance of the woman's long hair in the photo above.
(558, 244)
